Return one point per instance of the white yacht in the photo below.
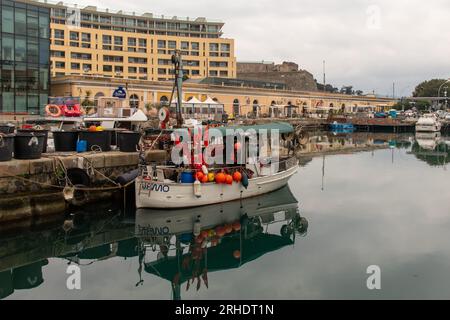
(428, 123)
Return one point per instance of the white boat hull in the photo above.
(154, 194)
(428, 128)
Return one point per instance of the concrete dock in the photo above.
(34, 188)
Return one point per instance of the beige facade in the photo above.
(94, 42)
(236, 100)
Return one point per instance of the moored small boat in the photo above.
(428, 123)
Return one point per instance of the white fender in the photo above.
(197, 189)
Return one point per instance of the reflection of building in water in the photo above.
(432, 148)
(328, 142)
(215, 238)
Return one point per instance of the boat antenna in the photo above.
(178, 68)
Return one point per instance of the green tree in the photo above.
(428, 88)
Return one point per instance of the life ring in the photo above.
(53, 110)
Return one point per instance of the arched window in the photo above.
(236, 107)
(255, 107)
(97, 96)
(273, 103)
(134, 101)
(215, 99)
(164, 100)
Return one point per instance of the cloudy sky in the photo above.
(366, 43)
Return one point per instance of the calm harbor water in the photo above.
(387, 205)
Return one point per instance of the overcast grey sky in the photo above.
(366, 43)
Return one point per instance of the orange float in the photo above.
(199, 175)
(229, 179)
(204, 179)
(92, 129)
(237, 176)
(220, 177)
(236, 226)
(220, 231)
(236, 254)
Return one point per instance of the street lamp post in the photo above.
(439, 91)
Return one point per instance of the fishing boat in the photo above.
(192, 184)
(172, 186)
(428, 123)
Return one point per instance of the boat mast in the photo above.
(178, 64)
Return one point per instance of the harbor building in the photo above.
(25, 57)
(239, 97)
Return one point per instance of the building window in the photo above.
(87, 67)
(220, 64)
(118, 69)
(134, 101)
(86, 37)
(118, 41)
(132, 69)
(172, 44)
(137, 60)
(132, 42)
(59, 34)
(195, 46)
(7, 20)
(162, 44)
(59, 54)
(162, 71)
(195, 72)
(142, 42)
(223, 73)
(225, 47)
(142, 70)
(213, 47)
(107, 68)
(113, 58)
(75, 66)
(20, 20)
(60, 65)
(74, 36)
(213, 73)
(106, 39)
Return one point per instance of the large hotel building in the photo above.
(90, 41)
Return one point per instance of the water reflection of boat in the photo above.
(428, 140)
(150, 222)
(236, 236)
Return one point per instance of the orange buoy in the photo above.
(229, 179)
(199, 175)
(236, 254)
(228, 228)
(92, 129)
(236, 226)
(204, 179)
(220, 177)
(237, 176)
(211, 177)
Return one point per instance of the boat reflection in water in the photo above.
(184, 246)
